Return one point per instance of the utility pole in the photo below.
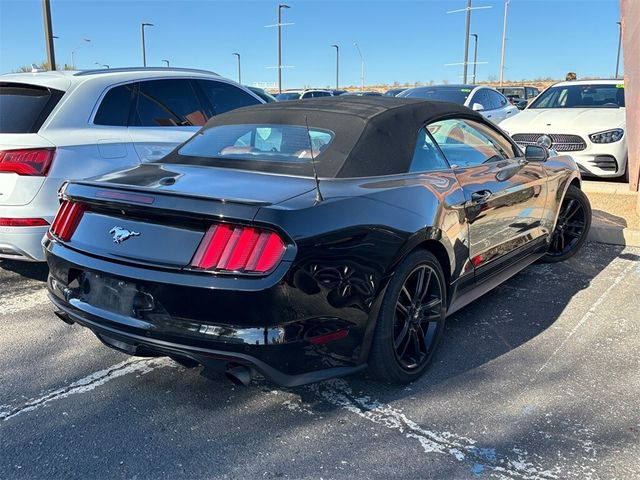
(361, 66)
(337, 65)
(466, 42)
(48, 34)
(504, 41)
(239, 73)
(144, 48)
(465, 63)
(280, 7)
(475, 57)
(619, 45)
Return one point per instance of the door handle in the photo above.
(481, 196)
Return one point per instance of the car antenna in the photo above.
(313, 163)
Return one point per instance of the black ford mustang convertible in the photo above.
(310, 239)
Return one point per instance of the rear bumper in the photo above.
(22, 243)
(271, 330)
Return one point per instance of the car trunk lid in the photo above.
(159, 214)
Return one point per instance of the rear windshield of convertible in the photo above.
(266, 147)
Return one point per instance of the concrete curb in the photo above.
(614, 235)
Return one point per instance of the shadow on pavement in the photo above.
(31, 270)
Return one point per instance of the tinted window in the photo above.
(446, 94)
(224, 97)
(426, 156)
(482, 98)
(321, 94)
(495, 99)
(24, 108)
(114, 108)
(581, 96)
(466, 143)
(287, 96)
(512, 92)
(167, 103)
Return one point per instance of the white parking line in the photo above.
(514, 464)
(88, 383)
(23, 301)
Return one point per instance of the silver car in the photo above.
(57, 126)
(485, 100)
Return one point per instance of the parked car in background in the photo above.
(586, 119)
(520, 96)
(57, 126)
(302, 94)
(311, 239)
(489, 102)
(359, 93)
(263, 94)
(394, 92)
(336, 93)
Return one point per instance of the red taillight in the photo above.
(238, 249)
(23, 222)
(27, 161)
(67, 220)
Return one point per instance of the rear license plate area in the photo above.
(112, 294)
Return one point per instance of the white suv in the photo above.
(302, 94)
(57, 126)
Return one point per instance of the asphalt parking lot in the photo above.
(539, 379)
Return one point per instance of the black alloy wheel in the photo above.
(572, 227)
(418, 313)
(411, 320)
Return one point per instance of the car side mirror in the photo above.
(522, 104)
(477, 107)
(536, 153)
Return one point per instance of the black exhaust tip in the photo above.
(239, 374)
(64, 317)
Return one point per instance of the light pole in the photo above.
(167, 62)
(504, 41)
(280, 7)
(475, 56)
(48, 34)
(239, 72)
(355, 44)
(102, 64)
(337, 65)
(73, 52)
(144, 49)
(619, 45)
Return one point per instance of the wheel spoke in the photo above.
(422, 285)
(572, 208)
(574, 225)
(401, 336)
(406, 292)
(436, 302)
(404, 349)
(573, 234)
(402, 309)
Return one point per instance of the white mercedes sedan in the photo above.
(585, 119)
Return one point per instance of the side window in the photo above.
(497, 99)
(307, 95)
(167, 103)
(224, 96)
(321, 94)
(115, 106)
(466, 143)
(426, 156)
(481, 97)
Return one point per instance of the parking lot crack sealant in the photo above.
(88, 383)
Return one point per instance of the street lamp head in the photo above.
(283, 5)
(335, 46)
(236, 54)
(475, 35)
(86, 39)
(148, 25)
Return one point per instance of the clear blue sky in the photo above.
(404, 41)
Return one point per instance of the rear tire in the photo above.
(572, 227)
(411, 320)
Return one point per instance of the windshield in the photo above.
(287, 96)
(581, 96)
(445, 94)
(24, 108)
(272, 148)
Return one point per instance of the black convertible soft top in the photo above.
(373, 135)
